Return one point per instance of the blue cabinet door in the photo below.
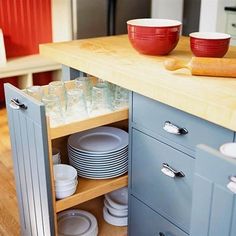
(28, 133)
(214, 204)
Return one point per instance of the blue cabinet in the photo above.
(214, 205)
(158, 202)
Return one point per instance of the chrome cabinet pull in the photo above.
(232, 184)
(16, 105)
(174, 129)
(171, 172)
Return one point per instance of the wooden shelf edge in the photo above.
(89, 123)
(101, 189)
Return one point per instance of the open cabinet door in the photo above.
(214, 204)
(29, 143)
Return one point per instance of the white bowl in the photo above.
(67, 183)
(228, 149)
(66, 187)
(114, 220)
(65, 193)
(118, 199)
(115, 212)
(64, 173)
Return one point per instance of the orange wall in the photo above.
(25, 24)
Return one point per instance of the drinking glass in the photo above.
(35, 92)
(53, 109)
(85, 84)
(121, 98)
(76, 105)
(58, 88)
(101, 102)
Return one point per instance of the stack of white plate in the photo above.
(99, 153)
(77, 223)
(65, 180)
(115, 211)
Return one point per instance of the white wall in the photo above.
(212, 16)
(169, 9)
(61, 20)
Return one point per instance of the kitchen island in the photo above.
(176, 187)
(171, 113)
(113, 59)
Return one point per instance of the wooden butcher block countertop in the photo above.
(113, 59)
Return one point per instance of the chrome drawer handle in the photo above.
(171, 172)
(174, 129)
(16, 105)
(233, 25)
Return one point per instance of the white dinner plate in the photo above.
(99, 140)
(98, 160)
(100, 165)
(103, 176)
(76, 222)
(72, 150)
(100, 169)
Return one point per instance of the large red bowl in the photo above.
(209, 44)
(154, 36)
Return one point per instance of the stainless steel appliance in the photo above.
(92, 18)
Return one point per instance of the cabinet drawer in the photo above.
(152, 115)
(145, 222)
(171, 197)
(231, 24)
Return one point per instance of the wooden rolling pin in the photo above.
(224, 67)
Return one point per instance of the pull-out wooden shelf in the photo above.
(89, 123)
(89, 189)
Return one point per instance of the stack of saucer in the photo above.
(77, 223)
(99, 153)
(115, 210)
(65, 180)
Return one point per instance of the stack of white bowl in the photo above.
(65, 180)
(115, 210)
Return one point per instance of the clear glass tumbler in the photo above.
(58, 88)
(101, 100)
(76, 105)
(35, 92)
(53, 109)
(86, 85)
(121, 98)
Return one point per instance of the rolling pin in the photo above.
(223, 67)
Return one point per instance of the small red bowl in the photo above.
(154, 36)
(209, 44)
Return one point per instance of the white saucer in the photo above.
(76, 222)
(228, 149)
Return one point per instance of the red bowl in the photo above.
(154, 36)
(209, 44)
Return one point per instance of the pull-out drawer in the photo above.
(145, 222)
(164, 121)
(151, 181)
